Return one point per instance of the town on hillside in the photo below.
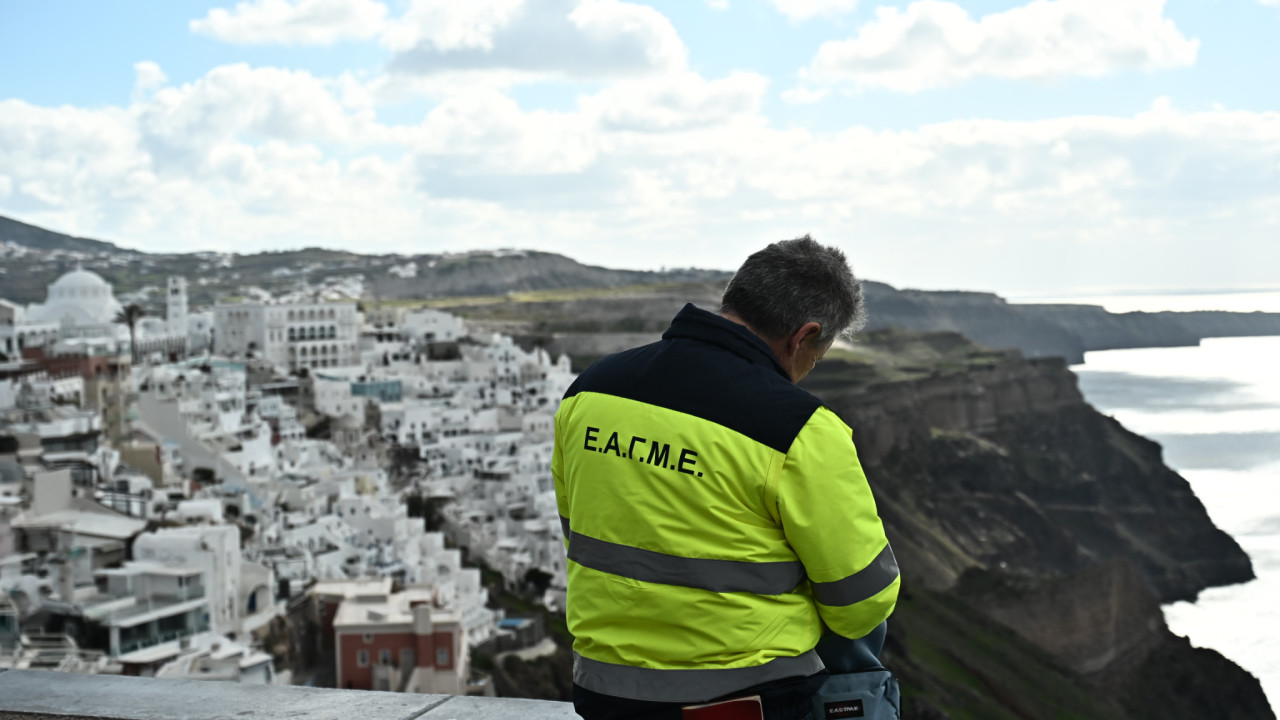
(278, 490)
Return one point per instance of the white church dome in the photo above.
(79, 298)
(79, 279)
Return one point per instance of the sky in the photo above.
(1030, 148)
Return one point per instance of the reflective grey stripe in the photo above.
(564, 525)
(861, 585)
(763, 578)
(637, 683)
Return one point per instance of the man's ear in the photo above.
(809, 331)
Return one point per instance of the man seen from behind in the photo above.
(716, 516)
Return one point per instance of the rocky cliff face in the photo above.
(1066, 331)
(1102, 330)
(985, 318)
(1226, 324)
(1037, 539)
(1005, 458)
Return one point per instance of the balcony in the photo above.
(38, 695)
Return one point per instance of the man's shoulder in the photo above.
(612, 369)
(704, 382)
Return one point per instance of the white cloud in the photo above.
(718, 4)
(639, 173)
(1270, 2)
(236, 102)
(147, 77)
(677, 102)
(933, 43)
(448, 26)
(804, 96)
(537, 38)
(808, 9)
(294, 22)
(237, 195)
(68, 163)
(489, 134)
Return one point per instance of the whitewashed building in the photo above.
(289, 336)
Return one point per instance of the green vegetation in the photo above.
(949, 657)
(892, 355)
(558, 295)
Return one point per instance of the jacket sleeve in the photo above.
(829, 517)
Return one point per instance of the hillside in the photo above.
(37, 257)
(38, 238)
(478, 273)
(529, 292)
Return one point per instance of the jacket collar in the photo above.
(697, 324)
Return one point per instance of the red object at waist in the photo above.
(747, 708)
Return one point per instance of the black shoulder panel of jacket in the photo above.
(711, 368)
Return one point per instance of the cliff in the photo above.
(1061, 330)
(1213, 323)
(1102, 330)
(1037, 539)
(985, 318)
(1036, 331)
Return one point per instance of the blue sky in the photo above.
(1041, 147)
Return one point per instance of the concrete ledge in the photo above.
(41, 695)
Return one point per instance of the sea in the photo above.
(1215, 409)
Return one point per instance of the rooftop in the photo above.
(393, 609)
(81, 522)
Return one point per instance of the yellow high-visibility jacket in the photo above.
(715, 516)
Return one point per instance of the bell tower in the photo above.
(175, 318)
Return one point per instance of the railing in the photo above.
(52, 652)
(155, 639)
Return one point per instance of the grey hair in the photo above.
(792, 282)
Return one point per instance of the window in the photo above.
(362, 658)
(442, 657)
(384, 657)
(407, 658)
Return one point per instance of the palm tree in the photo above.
(130, 315)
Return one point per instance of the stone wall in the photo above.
(42, 695)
